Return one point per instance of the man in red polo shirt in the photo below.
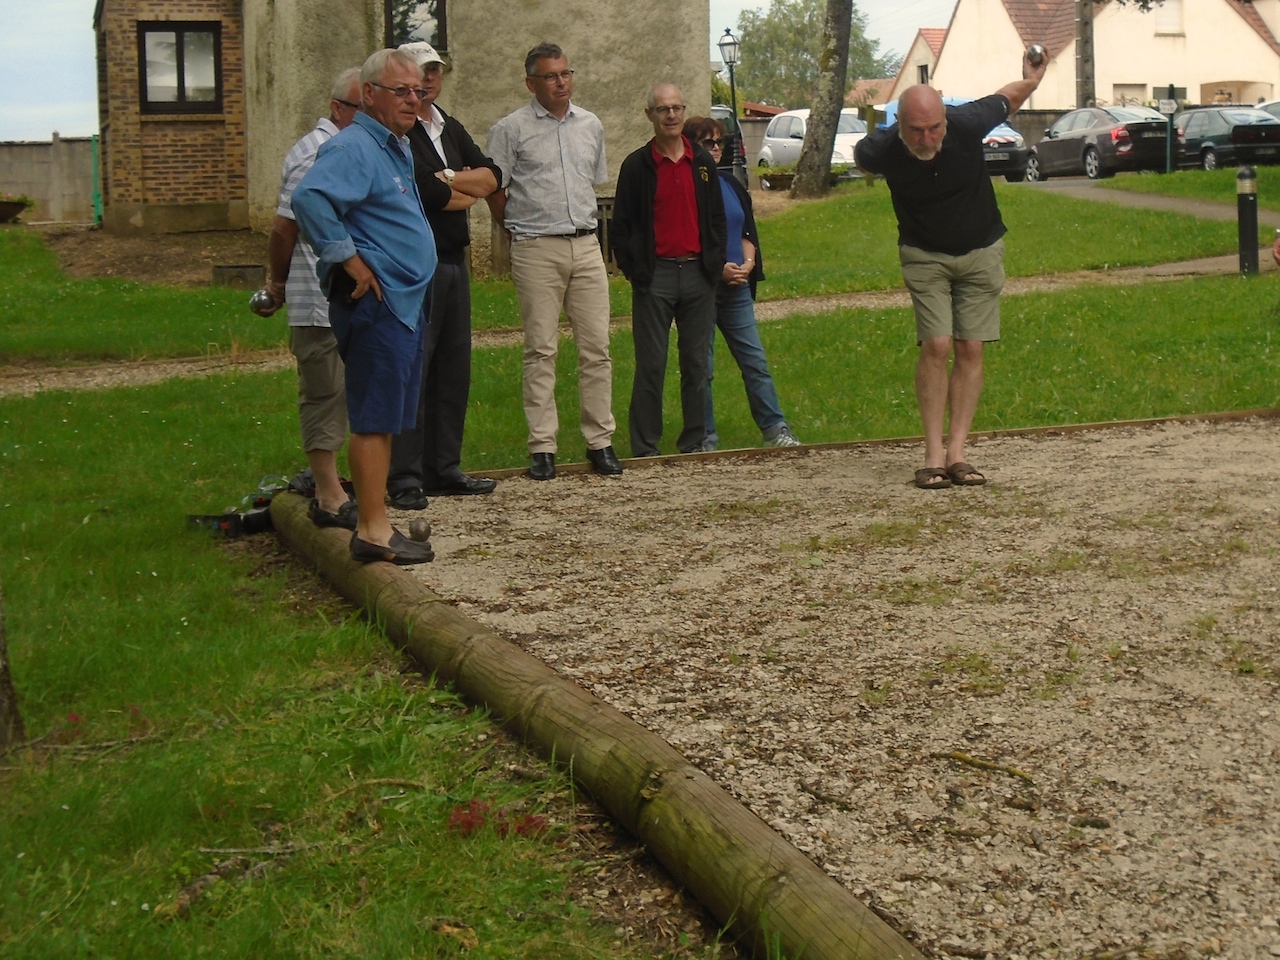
(667, 236)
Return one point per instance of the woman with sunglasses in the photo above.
(735, 301)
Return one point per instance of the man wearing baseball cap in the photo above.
(451, 173)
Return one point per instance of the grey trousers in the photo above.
(683, 293)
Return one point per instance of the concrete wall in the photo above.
(618, 48)
(293, 51)
(57, 175)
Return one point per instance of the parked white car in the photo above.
(784, 137)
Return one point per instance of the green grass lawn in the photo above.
(842, 244)
(1215, 186)
(188, 697)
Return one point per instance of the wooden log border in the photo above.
(748, 877)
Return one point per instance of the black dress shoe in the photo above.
(401, 551)
(411, 498)
(543, 466)
(605, 461)
(464, 486)
(346, 516)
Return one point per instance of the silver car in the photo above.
(784, 137)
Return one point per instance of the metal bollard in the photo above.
(1247, 219)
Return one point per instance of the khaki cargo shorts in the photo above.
(955, 296)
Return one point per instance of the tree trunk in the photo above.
(813, 171)
(12, 729)
(744, 873)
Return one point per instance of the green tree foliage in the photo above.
(782, 49)
(720, 92)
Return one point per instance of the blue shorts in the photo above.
(383, 360)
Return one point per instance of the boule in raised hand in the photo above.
(420, 530)
(1035, 54)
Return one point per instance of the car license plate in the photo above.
(1265, 151)
(997, 156)
(1153, 133)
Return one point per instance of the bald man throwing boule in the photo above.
(952, 253)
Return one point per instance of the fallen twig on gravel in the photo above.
(959, 757)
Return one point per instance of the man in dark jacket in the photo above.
(452, 173)
(668, 238)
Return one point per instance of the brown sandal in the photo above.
(963, 475)
(932, 478)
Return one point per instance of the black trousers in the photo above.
(430, 454)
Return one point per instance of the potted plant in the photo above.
(11, 205)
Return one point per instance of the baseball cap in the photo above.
(422, 52)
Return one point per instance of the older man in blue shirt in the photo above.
(359, 208)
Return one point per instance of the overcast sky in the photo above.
(59, 33)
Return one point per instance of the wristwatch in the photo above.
(448, 175)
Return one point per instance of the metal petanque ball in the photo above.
(1035, 54)
(263, 303)
(420, 530)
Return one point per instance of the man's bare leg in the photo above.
(965, 388)
(370, 457)
(931, 395)
(329, 489)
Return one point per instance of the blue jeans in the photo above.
(736, 318)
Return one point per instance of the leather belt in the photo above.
(689, 259)
(585, 231)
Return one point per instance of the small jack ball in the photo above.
(1035, 54)
(420, 530)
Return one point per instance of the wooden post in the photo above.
(746, 875)
(12, 730)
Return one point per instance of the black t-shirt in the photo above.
(947, 204)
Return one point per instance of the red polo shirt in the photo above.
(675, 208)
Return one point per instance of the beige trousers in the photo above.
(551, 274)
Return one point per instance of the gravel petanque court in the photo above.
(1032, 719)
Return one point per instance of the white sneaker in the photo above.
(783, 438)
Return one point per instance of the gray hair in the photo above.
(380, 60)
(543, 51)
(651, 100)
(342, 85)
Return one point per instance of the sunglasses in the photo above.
(709, 143)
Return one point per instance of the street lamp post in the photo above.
(729, 53)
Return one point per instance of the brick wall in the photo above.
(169, 172)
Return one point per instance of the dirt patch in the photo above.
(1036, 718)
(171, 259)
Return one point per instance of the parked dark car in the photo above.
(1099, 141)
(1210, 137)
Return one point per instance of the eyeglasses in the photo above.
(402, 93)
(709, 143)
(346, 103)
(670, 111)
(565, 75)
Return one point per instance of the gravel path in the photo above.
(1033, 719)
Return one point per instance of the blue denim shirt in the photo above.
(360, 197)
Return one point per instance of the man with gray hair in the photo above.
(291, 267)
(668, 236)
(359, 208)
(551, 153)
(952, 253)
